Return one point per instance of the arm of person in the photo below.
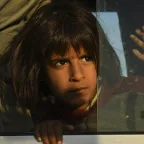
(48, 127)
(134, 83)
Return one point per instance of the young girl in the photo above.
(55, 66)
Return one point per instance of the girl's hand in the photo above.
(139, 42)
(51, 131)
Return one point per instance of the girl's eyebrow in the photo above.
(65, 57)
(59, 59)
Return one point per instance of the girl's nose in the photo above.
(76, 72)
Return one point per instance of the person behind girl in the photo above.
(55, 67)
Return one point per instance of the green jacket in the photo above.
(13, 15)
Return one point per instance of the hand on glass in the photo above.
(139, 42)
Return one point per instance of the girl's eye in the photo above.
(60, 63)
(86, 58)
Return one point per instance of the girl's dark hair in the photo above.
(53, 28)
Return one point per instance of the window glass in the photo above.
(120, 106)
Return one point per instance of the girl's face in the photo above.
(72, 78)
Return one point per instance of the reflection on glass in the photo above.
(120, 106)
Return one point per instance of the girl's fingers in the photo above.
(44, 134)
(37, 134)
(138, 54)
(58, 132)
(137, 41)
(51, 134)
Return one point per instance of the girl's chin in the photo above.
(80, 103)
(80, 106)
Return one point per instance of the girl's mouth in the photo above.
(78, 89)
